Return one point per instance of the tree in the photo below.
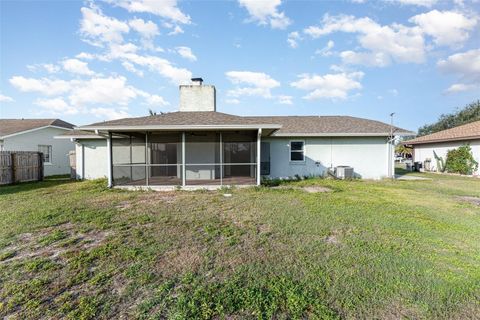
(403, 150)
(469, 113)
(154, 113)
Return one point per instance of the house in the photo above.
(38, 135)
(427, 148)
(198, 146)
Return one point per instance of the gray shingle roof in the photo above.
(308, 125)
(11, 126)
(179, 118)
(328, 125)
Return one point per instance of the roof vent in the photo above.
(197, 81)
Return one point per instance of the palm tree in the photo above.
(404, 150)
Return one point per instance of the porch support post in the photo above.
(147, 161)
(259, 141)
(221, 159)
(109, 160)
(183, 159)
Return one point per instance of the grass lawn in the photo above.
(384, 250)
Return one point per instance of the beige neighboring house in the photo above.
(442, 141)
(38, 135)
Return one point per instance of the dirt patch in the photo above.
(309, 189)
(151, 197)
(472, 200)
(44, 244)
(336, 236)
(180, 261)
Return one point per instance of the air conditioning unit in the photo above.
(344, 172)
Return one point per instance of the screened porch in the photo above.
(191, 158)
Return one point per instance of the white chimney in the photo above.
(197, 97)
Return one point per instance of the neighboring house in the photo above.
(442, 141)
(200, 146)
(38, 135)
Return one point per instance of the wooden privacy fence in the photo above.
(20, 166)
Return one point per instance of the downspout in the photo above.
(259, 141)
(109, 160)
(183, 160)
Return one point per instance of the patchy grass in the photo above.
(363, 249)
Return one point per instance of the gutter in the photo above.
(179, 127)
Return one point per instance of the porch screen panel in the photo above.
(128, 159)
(165, 159)
(239, 157)
(202, 158)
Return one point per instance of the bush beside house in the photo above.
(461, 161)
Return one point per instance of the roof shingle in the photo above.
(467, 131)
(11, 126)
(308, 125)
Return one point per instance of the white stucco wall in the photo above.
(367, 155)
(29, 141)
(422, 152)
(91, 158)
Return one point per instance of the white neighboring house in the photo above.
(442, 141)
(198, 146)
(38, 135)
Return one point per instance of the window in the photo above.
(47, 152)
(297, 151)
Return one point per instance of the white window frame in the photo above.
(302, 151)
(50, 152)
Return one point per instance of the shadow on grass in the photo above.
(29, 186)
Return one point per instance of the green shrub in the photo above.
(461, 160)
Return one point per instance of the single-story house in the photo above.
(38, 135)
(198, 146)
(426, 147)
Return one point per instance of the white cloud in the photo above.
(56, 106)
(109, 113)
(424, 3)
(79, 95)
(393, 92)
(76, 66)
(232, 101)
(282, 99)
(4, 98)
(266, 12)
(326, 51)
(293, 38)
(186, 53)
(251, 84)
(175, 31)
(377, 59)
(384, 44)
(460, 87)
(165, 8)
(49, 67)
(447, 28)
(130, 67)
(99, 29)
(44, 86)
(329, 86)
(85, 56)
(466, 66)
(146, 29)
(161, 66)
(395, 42)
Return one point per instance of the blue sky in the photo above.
(93, 60)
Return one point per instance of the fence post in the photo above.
(40, 166)
(14, 178)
